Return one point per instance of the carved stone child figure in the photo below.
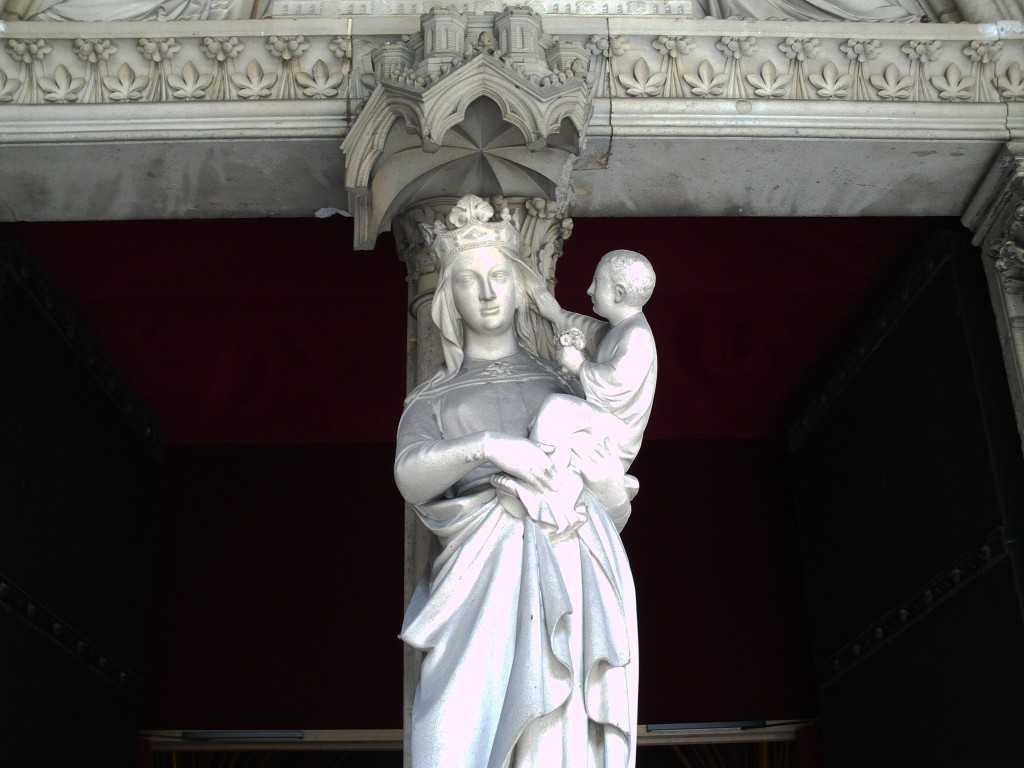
(618, 378)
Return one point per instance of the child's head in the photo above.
(632, 271)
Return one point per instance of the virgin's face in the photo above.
(484, 290)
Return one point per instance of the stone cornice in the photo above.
(878, 111)
(621, 117)
(723, 118)
(35, 124)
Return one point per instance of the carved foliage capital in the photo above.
(998, 221)
(412, 247)
(545, 229)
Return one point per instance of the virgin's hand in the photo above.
(521, 458)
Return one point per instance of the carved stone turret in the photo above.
(444, 39)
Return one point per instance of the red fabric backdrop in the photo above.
(275, 331)
(273, 357)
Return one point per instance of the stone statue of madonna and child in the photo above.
(527, 616)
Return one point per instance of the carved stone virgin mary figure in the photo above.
(529, 632)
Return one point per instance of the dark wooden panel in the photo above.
(947, 692)
(79, 474)
(909, 484)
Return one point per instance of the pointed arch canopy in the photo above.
(537, 109)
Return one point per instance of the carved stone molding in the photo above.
(811, 61)
(996, 215)
(63, 64)
(974, 564)
(629, 57)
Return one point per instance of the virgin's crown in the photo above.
(470, 226)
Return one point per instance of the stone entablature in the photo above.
(68, 65)
(690, 116)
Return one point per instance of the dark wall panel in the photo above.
(909, 483)
(79, 478)
(946, 693)
(280, 587)
(275, 331)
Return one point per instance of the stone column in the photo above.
(424, 343)
(996, 215)
(423, 358)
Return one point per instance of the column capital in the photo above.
(996, 216)
(412, 248)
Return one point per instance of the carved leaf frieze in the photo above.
(8, 87)
(1011, 83)
(62, 88)
(928, 64)
(891, 85)
(952, 85)
(706, 83)
(799, 51)
(643, 82)
(190, 85)
(89, 71)
(829, 84)
(820, 68)
(127, 86)
(768, 83)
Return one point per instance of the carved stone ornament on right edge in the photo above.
(527, 613)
